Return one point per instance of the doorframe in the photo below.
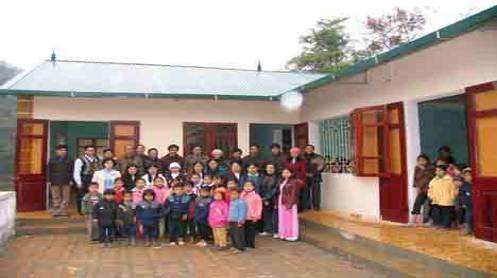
(207, 125)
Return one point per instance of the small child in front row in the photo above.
(148, 213)
(442, 191)
(465, 197)
(105, 214)
(218, 218)
(87, 204)
(201, 214)
(236, 218)
(176, 207)
(162, 191)
(126, 218)
(254, 212)
(190, 223)
(119, 190)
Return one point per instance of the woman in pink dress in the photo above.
(288, 220)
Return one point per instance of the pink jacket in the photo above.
(254, 205)
(137, 194)
(218, 214)
(161, 193)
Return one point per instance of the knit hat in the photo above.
(217, 151)
(174, 165)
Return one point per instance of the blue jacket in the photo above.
(237, 211)
(148, 213)
(176, 206)
(202, 209)
(465, 195)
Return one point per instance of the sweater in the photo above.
(442, 191)
(218, 214)
(254, 205)
(237, 211)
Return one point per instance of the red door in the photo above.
(301, 135)
(482, 129)
(30, 164)
(379, 139)
(209, 136)
(122, 135)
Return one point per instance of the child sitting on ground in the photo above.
(202, 204)
(254, 212)
(442, 191)
(236, 218)
(176, 208)
(148, 212)
(126, 218)
(218, 219)
(87, 204)
(104, 214)
(140, 186)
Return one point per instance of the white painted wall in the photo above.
(428, 74)
(161, 119)
(7, 215)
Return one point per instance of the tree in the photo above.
(7, 72)
(390, 30)
(326, 48)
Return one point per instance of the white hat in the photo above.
(174, 165)
(217, 151)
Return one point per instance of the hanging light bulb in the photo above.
(291, 100)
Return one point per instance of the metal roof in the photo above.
(104, 79)
(451, 31)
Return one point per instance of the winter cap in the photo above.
(174, 165)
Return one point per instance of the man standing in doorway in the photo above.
(84, 167)
(171, 157)
(60, 170)
(314, 167)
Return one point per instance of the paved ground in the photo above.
(64, 252)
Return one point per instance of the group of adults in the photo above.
(137, 162)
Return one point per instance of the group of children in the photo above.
(199, 207)
(444, 190)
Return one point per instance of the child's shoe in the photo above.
(172, 243)
(156, 245)
(181, 242)
(147, 243)
(264, 234)
(201, 243)
(276, 236)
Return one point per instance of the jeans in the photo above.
(150, 232)
(129, 230)
(468, 217)
(204, 231)
(419, 202)
(250, 233)
(176, 228)
(442, 215)
(237, 236)
(105, 233)
(315, 192)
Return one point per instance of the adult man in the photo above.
(236, 156)
(171, 157)
(84, 167)
(314, 166)
(254, 157)
(126, 160)
(194, 157)
(140, 158)
(60, 170)
(277, 158)
(153, 159)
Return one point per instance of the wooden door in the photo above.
(123, 134)
(482, 130)
(380, 151)
(210, 136)
(301, 135)
(30, 164)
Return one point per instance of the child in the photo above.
(254, 212)
(268, 190)
(197, 182)
(126, 213)
(190, 224)
(104, 213)
(236, 218)
(148, 212)
(208, 181)
(119, 190)
(201, 214)
(138, 190)
(218, 218)
(87, 204)
(442, 191)
(253, 176)
(176, 207)
(161, 193)
(465, 197)
(288, 219)
(423, 174)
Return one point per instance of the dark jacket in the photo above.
(168, 159)
(290, 192)
(268, 188)
(465, 195)
(202, 209)
(422, 177)
(279, 161)
(257, 160)
(299, 169)
(130, 181)
(314, 165)
(148, 213)
(126, 213)
(256, 180)
(153, 161)
(177, 206)
(60, 171)
(105, 212)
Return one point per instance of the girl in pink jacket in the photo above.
(254, 212)
(218, 219)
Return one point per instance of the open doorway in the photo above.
(266, 134)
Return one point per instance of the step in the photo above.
(390, 257)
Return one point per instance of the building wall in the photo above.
(8, 108)
(161, 119)
(438, 71)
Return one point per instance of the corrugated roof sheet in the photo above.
(83, 78)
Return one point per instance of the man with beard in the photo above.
(314, 166)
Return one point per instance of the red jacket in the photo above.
(298, 168)
(290, 192)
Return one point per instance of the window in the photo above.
(100, 145)
(122, 135)
(209, 136)
(334, 139)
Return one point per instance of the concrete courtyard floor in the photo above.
(47, 248)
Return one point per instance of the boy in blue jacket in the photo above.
(467, 204)
(201, 213)
(236, 218)
(148, 213)
(176, 207)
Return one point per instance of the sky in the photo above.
(218, 33)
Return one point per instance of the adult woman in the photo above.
(152, 173)
(288, 221)
(198, 168)
(297, 165)
(105, 177)
(130, 176)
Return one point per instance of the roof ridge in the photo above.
(180, 66)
